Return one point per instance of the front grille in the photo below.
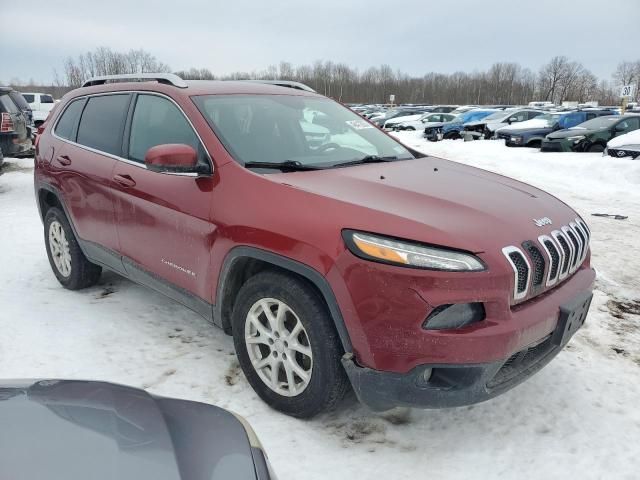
(521, 363)
(549, 260)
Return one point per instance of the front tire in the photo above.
(287, 345)
(70, 266)
(596, 148)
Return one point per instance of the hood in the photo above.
(475, 124)
(104, 431)
(433, 200)
(631, 138)
(574, 132)
(534, 123)
(436, 124)
(524, 131)
(407, 118)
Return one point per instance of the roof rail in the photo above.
(166, 78)
(285, 83)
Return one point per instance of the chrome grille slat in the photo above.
(520, 277)
(575, 246)
(554, 257)
(549, 261)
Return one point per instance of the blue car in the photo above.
(451, 130)
(532, 132)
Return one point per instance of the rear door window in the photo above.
(65, 128)
(102, 123)
(157, 121)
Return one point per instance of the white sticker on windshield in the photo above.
(358, 124)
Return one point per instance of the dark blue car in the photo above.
(532, 132)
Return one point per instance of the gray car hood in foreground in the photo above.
(79, 430)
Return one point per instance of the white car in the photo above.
(424, 120)
(394, 122)
(627, 145)
(41, 104)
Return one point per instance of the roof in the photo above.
(165, 82)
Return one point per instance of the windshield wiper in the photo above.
(289, 165)
(367, 159)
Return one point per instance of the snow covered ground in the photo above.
(577, 418)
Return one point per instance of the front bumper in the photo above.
(453, 385)
(556, 146)
(14, 146)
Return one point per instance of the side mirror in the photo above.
(619, 128)
(171, 157)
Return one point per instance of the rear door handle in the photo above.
(63, 160)
(124, 180)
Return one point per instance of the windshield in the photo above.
(599, 122)
(549, 119)
(497, 115)
(285, 128)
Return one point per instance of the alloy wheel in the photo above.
(278, 347)
(59, 247)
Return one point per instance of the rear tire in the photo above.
(452, 136)
(70, 266)
(287, 345)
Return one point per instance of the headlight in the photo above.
(516, 139)
(576, 138)
(409, 254)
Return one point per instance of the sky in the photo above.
(414, 36)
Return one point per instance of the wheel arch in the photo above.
(48, 197)
(243, 262)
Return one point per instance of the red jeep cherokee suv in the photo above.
(333, 254)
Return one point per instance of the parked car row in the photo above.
(586, 130)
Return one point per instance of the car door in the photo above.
(163, 219)
(88, 137)
(626, 125)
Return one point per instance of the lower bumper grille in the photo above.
(551, 147)
(520, 363)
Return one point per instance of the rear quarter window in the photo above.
(46, 99)
(102, 123)
(7, 105)
(19, 100)
(65, 128)
(28, 97)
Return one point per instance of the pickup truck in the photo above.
(41, 104)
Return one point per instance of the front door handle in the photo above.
(124, 180)
(63, 160)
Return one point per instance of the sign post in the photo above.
(392, 99)
(626, 92)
